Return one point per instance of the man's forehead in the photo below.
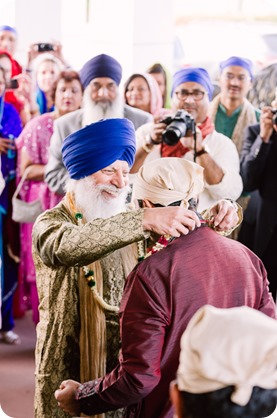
(189, 85)
(119, 164)
(102, 80)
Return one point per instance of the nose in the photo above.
(119, 180)
(68, 93)
(103, 92)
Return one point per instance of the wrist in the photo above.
(201, 152)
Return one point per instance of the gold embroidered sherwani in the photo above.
(60, 249)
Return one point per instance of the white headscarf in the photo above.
(228, 347)
(168, 180)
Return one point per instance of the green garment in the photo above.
(226, 124)
(60, 247)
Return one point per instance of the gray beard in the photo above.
(90, 201)
(93, 112)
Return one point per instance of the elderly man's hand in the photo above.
(171, 220)
(65, 396)
(224, 215)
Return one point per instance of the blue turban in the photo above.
(97, 146)
(101, 66)
(238, 61)
(194, 74)
(8, 28)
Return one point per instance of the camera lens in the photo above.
(171, 135)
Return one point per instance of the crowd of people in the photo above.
(156, 200)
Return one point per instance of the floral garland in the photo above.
(91, 280)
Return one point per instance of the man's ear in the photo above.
(147, 204)
(176, 399)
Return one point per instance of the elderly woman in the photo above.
(32, 145)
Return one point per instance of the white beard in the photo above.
(90, 201)
(93, 112)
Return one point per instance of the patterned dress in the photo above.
(35, 139)
(61, 248)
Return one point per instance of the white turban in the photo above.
(228, 347)
(168, 180)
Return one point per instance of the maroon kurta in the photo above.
(160, 297)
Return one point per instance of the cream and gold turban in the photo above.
(168, 180)
(228, 347)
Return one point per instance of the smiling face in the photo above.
(235, 82)
(112, 179)
(138, 94)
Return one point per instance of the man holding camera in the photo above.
(259, 172)
(191, 92)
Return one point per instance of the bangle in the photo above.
(201, 152)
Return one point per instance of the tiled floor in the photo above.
(17, 373)
(17, 366)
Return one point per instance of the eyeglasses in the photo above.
(196, 94)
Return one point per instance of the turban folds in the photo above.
(238, 62)
(168, 180)
(101, 66)
(193, 74)
(228, 347)
(97, 146)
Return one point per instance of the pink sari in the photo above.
(35, 138)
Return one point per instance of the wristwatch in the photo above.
(201, 152)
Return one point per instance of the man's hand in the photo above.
(65, 396)
(224, 215)
(172, 220)
(266, 124)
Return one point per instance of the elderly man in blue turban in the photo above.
(191, 93)
(101, 77)
(80, 263)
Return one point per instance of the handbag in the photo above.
(25, 212)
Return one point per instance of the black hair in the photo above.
(218, 404)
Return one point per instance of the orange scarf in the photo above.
(178, 150)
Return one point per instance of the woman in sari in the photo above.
(32, 146)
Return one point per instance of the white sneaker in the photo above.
(10, 337)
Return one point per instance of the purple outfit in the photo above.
(35, 138)
(161, 295)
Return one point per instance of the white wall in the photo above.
(135, 32)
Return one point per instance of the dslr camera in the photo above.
(177, 127)
(274, 117)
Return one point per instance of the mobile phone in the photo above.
(44, 47)
(12, 84)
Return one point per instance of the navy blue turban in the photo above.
(194, 74)
(101, 66)
(238, 61)
(97, 146)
